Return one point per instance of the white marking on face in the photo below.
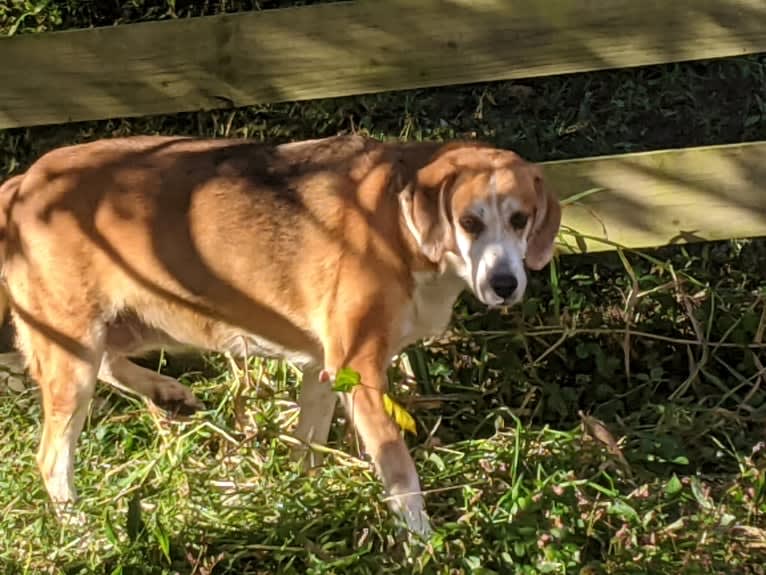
(498, 250)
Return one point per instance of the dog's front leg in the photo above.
(380, 436)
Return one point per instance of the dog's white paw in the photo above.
(419, 524)
(410, 507)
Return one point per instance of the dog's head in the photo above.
(484, 213)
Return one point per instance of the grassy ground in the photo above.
(613, 423)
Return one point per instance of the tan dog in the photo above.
(332, 253)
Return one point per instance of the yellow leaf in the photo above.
(399, 414)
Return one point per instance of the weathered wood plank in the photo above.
(660, 198)
(352, 48)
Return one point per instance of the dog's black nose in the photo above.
(504, 285)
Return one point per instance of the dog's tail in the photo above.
(8, 191)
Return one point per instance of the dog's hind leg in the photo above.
(64, 364)
(128, 336)
(164, 391)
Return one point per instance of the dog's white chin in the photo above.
(491, 300)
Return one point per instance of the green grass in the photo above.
(612, 423)
(506, 490)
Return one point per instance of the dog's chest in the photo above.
(430, 310)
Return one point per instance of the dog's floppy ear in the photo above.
(426, 204)
(426, 199)
(545, 227)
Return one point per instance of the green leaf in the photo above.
(519, 549)
(673, 486)
(399, 415)
(346, 379)
(438, 461)
(110, 533)
(699, 494)
(162, 540)
(623, 510)
(583, 350)
(135, 523)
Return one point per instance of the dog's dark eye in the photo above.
(519, 221)
(471, 224)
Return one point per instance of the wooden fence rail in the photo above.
(660, 198)
(349, 48)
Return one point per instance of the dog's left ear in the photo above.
(545, 227)
(426, 204)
